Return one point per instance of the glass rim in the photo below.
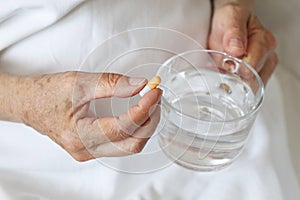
(243, 117)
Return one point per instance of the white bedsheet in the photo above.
(282, 19)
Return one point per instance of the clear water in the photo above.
(197, 133)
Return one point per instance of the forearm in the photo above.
(8, 97)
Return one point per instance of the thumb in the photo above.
(111, 84)
(235, 34)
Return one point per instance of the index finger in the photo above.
(138, 114)
(260, 43)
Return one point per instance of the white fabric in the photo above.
(285, 25)
(93, 36)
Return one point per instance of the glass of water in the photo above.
(209, 104)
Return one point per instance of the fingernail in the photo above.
(136, 81)
(236, 43)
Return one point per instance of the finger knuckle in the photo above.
(114, 131)
(80, 157)
(141, 109)
(71, 144)
(112, 79)
(271, 39)
(123, 134)
(74, 146)
(254, 22)
(137, 146)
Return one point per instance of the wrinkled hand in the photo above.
(57, 105)
(237, 31)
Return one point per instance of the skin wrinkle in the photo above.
(68, 105)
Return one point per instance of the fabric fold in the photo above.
(21, 19)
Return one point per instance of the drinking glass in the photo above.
(210, 101)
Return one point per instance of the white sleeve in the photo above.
(21, 18)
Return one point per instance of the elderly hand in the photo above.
(57, 105)
(237, 31)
